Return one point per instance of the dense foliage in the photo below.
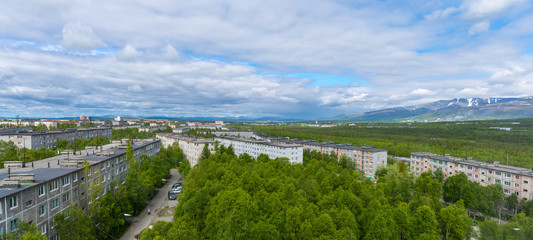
(105, 217)
(462, 139)
(230, 197)
(81, 143)
(25, 231)
(10, 152)
(134, 133)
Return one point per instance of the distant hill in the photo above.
(458, 109)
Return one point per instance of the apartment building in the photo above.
(36, 194)
(514, 180)
(49, 139)
(255, 148)
(231, 133)
(191, 146)
(367, 159)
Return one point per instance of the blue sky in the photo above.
(288, 59)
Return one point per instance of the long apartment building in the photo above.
(367, 159)
(254, 148)
(191, 146)
(44, 188)
(514, 180)
(49, 139)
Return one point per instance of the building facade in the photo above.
(514, 180)
(367, 159)
(49, 139)
(254, 148)
(191, 146)
(36, 194)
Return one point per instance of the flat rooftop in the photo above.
(43, 173)
(285, 145)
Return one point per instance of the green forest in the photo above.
(133, 133)
(238, 197)
(10, 152)
(476, 139)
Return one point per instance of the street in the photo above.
(161, 209)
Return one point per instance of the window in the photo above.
(1, 211)
(14, 224)
(65, 180)
(1, 229)
(482, 173)
(490, 171)
(42, 210)
(526, 182)
(53, 185)
(498, 173)
(470, 174)
(75, 177)
(461, 166)
(66, 196)
(469, 167)
(516, 185)
(506, 183)
(516, 177)
(76, 192)
(13, 203)
(507, 175)
(497, 181)
(43, 229)
(42, 190)
(54, 204)
(28, 203)
(475, 176)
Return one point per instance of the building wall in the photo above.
(192, 147)
(79, 188)
(49, 139)
(514, 180)
(254, 149)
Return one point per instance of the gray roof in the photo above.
(43, 173)
(283, 145)
(331, 145)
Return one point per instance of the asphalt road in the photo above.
(160, 206)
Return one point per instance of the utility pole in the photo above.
(24, 153)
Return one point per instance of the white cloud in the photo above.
(171, 53)
(481, 9)
(128, 53)
(79, 37)
(135, 88)
(421, 92)
(479, 28)
(440, 14)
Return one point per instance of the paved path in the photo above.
(161, 209)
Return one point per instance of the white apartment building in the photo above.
(367, 159)
(191, 146)
(514, 180)
(255, 148)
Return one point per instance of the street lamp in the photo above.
(515, 230)
(132, 222)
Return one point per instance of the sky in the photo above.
(255, 59)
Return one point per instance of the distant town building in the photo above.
(367, 159)
(49, 139)
(85, 118)
(254, 148)
(231, 133)
(514, 180)
(37, 194)
(192, 146)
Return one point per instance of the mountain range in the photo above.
(458, 109)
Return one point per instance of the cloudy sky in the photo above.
(245, 58)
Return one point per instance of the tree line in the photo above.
(238, 197)
(10, 152)
(461, 139)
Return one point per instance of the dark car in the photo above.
(175, 185)
(172, 195)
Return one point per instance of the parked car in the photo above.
(175, 185)
(172, 195)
